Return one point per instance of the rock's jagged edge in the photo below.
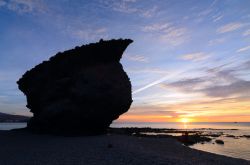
(81, 90)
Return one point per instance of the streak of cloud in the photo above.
(89, 34)
(137, 58)
(155, 83)
(24, 6)
(130, 7)
(243, 49)
(246, 33)
(151, 84)
(217, 18)
(167, 33)
(195, 56)
(230, 27)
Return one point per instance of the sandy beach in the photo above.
(24, 148)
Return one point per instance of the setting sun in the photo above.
(185, 120)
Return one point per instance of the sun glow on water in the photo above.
(185, 120)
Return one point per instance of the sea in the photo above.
(235, 146)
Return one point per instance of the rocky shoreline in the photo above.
(186, 137)
(116, 147)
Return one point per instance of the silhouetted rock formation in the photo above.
(80, 90)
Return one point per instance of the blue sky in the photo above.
(189, 58)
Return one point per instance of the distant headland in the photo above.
(10, 118)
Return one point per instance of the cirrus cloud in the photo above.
(137, 58)
(198, 56)
(130, 7)
(167, 33)
(24, 6)
(230, 27)
(246, 33)
(243, 49)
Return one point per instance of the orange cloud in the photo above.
(221, 110)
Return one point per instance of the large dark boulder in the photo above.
(81, 90)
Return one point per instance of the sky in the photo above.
(190, 60)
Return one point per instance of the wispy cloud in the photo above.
(204, 110)
(156, 27)
(150, 12)
(175, 36)
(230, 27)
(123, 6)
(24, 6)
(220, 76)
(137, 58)
(238, 89)
(204, 13)
(129, 7)
(186, 85)
(216, 41)
(167, 33)
(217, 18)
(246, 33)
(89, 34)
(195, 56)
(217, 83)
(147, 70)
(245, 65)
(243, 49)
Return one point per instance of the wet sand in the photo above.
(24, 148)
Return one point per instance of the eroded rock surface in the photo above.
(80, 90)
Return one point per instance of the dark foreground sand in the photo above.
(23, 148)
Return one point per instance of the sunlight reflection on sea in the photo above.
(234, 146)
